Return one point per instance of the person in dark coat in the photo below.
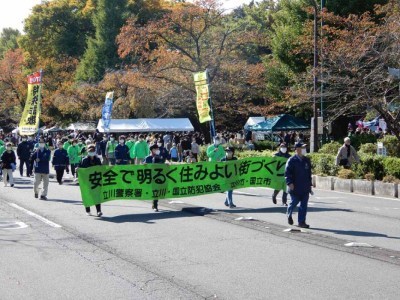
(91, 160)
(283, 152)
(103, 146)
(24, 151)
(154, 158)
(41, 159)
(8, 164)
(121, 152)
(298, 180)
(60, 161)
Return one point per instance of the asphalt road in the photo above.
(186, 252)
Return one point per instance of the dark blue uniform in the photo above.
(24, 151)
(298, 173)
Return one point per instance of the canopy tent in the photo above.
(147, 125)
(253, 121)
(53, 129)
(281, 123)
(82, 126)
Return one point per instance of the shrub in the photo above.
(247, 154)
(390, 179)
(330, 148)
(392, 166)
(368, 148)
(369, 164)
(392, 145)
(265, 145)
(323, 164)
(358, 139)
(346, 174)
(369, 177)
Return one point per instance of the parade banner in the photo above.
(29, 123)
(203, 96)
(160, 181)
(107, 110)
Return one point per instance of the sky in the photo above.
(13, 12)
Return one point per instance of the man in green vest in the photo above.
(110, 150)
(215, 152)
(130, 143)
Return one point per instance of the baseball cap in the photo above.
(299, 145)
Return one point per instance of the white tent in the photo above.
(147, 125)
(253, 121)
(82, 126)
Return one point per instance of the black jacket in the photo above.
(87, 162)
(8, 158)
(24, 150)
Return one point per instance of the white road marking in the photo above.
(359, 195)
(328, 197)
(12, 225)
(40, 218)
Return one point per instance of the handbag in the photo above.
(343, 162)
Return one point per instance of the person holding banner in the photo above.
(41, 157)
(215, 152)
(281, 153)
(154, 158)
(91, 160)
(8, 162)
(229, 155)
(299, 182)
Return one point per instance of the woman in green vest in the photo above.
(74, 158)
(110, 150)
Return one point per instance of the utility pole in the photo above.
(314, 134)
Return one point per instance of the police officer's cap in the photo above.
(299, 145)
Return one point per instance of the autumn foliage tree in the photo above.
(190, 38)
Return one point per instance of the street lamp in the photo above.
(315, 108)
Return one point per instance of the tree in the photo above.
(8, 40)
(358, 52)
(101, 52)
(191, 38)
(12, 86)
(346, 7)
(57, 28)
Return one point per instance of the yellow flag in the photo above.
(203, 96)
(29, 123)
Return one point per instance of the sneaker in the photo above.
(12, 185)
(43, 198)
(88, 214)
(284, 203)
(60, 183)
(304, 225)
(36, 196)
(232, 206)
(99, 214)
(226, 203)
(290, 220)
(274, 199)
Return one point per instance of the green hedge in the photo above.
(370, 164)
(323, 164)
(330, 148)
(392, 145)
(358, 139)
(392, 166)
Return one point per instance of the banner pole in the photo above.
(212, 122)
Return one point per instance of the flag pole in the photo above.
(212, 122)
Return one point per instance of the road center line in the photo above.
(40, 218)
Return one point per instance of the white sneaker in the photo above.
(88, 214)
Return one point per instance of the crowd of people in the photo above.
(79, 150)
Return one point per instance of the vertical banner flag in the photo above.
(106, 111)
(29, 123)
(203, 96)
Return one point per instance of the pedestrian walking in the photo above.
(283, 152)
(140, 150)
(298, 180)
(8, 164)
(60, 161)
(154, 158)
(41, 157)
(110, 150)
(24, 151)
(121, 152)
(103, 146)
(229, 155)
(347, 155)
(89, 161)
(74, 158)
(195, 148)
